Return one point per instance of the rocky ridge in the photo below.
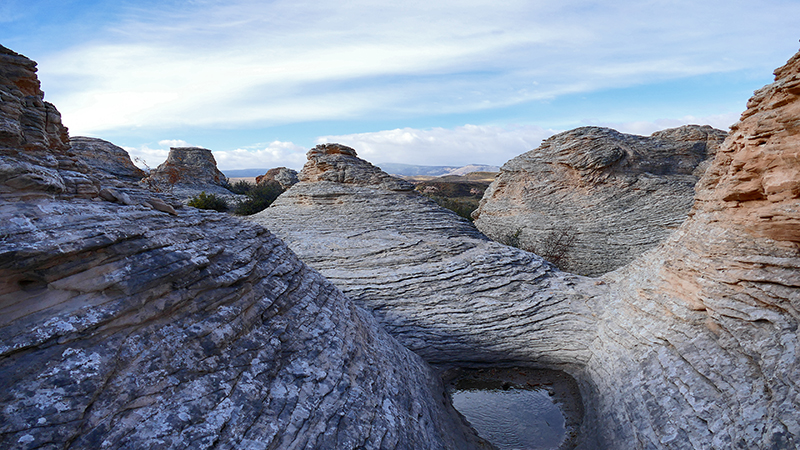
(611, 195)
(693, 345)
(126, 327)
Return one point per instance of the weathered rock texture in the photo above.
(125, 327)
(106, 159)
(34, 145)
(611, 195)
(693, 345)
(187, 172)
(281, 175)
(339, 163)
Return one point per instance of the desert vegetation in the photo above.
(460, 194)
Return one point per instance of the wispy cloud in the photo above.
(249, 63)
(469, 144)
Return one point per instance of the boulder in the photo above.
(281, 175)
(592, 199)
(123, 326)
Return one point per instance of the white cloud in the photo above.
(274, 154)
(246, 62)
(468, 144)
(644, 128)
(174, 143)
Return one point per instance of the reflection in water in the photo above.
(513, 418)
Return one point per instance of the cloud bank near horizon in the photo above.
(468, 144)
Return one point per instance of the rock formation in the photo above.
(339, 163)
(187, 172)
(281, 175)
(106, 159)
(125, 327)
(693, 345)
(606, 195)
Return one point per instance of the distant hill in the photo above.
(242, 173)
(434, 171)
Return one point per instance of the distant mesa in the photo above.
(593, 199)
(410, 170)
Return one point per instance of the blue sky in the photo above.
(418, 82)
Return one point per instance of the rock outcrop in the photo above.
(187, 172)
(339, 163)
(34, 145)
(281, 175)
(106, 160)
(693, 345)
(592, 199)
(125, 327)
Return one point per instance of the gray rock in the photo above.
(281, 175)
(106, 159)
(692, 345)
(123, 327)
(187, 172)
(592, 199)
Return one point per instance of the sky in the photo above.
(427, 82)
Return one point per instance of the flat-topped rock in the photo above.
(605, 195)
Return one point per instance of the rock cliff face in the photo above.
(34, 145)
(187, 172)
(606, 195)
(693, 345)
(122, 326)
(281, 175)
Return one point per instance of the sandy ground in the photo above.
(248, 179)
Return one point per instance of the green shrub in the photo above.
(461, 206)
(208, 201)
(259, 197)
(241, 187)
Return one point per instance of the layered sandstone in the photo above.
(122, 326)
(693, 345)
(187, 172)
(106, 160)
(607, 196)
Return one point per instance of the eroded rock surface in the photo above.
(339, 163)
(106, 159)
(281, 175)
(122, 326)
(608, 196)
(187, 172)
(693, 345)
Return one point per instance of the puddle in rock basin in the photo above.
(519, 408)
